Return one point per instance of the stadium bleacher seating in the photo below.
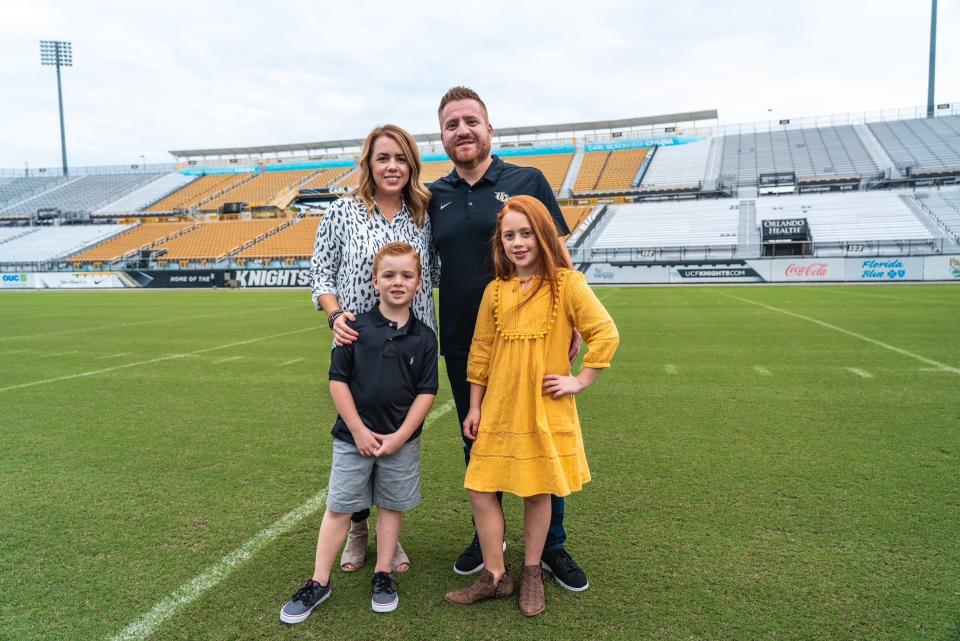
(265, 189)
(820, 151)
(574, 215)
(214, 240)
(553, 166)
(142, 235)
(13, 190)
(678, 165)
(944, 206)
(434, 170)
(848, 217)
(199, 191)
(326, 177)
(925, 143)
(295, 241)
(671, 224)
(45, 244)
(609, 171)
(148, 194)
(83, 194)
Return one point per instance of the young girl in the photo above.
(523, 415)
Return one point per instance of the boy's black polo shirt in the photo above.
(464, 219)
(386, 368)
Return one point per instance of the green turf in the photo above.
(810, 503)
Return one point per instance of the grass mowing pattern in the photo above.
(748, 485)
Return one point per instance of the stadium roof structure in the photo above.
(433, 138)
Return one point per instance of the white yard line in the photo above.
(117, 355)
(671, 370)
(149, 361)
(228, 359)
(862, 373)
(762, 371)
(212, 576)
(55, 354)
(873, 341)
(296, 360)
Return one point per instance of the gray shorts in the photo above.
(357, 482)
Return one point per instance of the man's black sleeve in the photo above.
(544, 193)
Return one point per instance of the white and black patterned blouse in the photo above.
(347, 241)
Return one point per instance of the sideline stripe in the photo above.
(862, 373)
(193, 589)
(135, 323)
(117, 355)
(160, 359)
(671, 370)
(873, 341)
(228, 359)
(296, 360)
(762, 371)
(55, 354)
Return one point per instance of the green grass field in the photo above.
(769, 463)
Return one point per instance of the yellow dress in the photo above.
(528, 443)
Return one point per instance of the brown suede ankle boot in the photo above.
(483, 588)
(533, 601)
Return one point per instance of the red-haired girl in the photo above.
(523, 415)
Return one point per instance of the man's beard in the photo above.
(484, 153)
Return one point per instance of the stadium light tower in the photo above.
(933, 57)
(58, 54)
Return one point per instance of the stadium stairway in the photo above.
(711, 173)
(748, 241)
(566, 189)
(876, 150)
(933, 226)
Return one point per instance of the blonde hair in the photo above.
(415, 195)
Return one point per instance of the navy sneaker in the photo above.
(470, 560)
(297, 609)
(565, 570)
(384, 597)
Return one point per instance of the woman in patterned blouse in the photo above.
(388, 205)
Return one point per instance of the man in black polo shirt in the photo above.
(463, 212)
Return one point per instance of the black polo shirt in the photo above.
(464, 218)
(386, 369)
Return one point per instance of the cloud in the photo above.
(178, 74)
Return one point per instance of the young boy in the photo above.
(383, 386)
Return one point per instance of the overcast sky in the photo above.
(150, 77)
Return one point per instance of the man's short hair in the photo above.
(461, 93)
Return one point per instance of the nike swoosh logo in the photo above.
(445, 204)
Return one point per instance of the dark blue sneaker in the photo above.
(297, 609)
(565, 570)
(385, 597)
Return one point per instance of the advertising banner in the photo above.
(785, 229)
(272, 277)
(607, 274)
(78, 280)
(806, 270)
(175, 278)
(942, 268)
(884, 269)
(16, 281)
(732, 271)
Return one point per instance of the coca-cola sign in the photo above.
(808, 270)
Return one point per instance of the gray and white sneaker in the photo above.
(297, 609)
(385, 597)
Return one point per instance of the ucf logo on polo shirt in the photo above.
(501, 196)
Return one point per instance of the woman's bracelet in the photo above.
(334, 315)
